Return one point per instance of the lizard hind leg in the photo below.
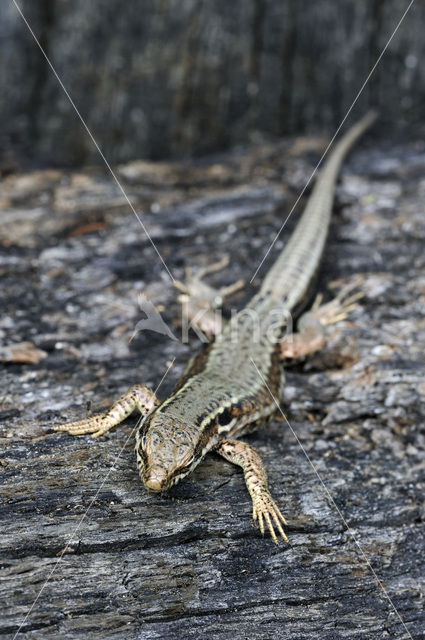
(137, 397)
(201, 301)
(310, 335)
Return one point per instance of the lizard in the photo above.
(229, 388)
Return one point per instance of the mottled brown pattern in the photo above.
(194, 366)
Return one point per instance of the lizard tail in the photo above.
(288, 280)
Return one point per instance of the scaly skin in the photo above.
(229, 388)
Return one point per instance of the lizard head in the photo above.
(165, 451)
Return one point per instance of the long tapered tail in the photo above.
(289, 278)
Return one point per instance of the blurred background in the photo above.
(157, 79)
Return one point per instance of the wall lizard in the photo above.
(228, 388)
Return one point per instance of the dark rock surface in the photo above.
(190, 564)
(154, 79)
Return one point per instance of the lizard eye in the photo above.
(224, 418)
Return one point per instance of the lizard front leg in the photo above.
(137, 397)
(263, 505)
(310, 335)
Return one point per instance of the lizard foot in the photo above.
(265, 508)
(96, 425)
(338, 308)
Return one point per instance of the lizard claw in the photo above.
(263, 507)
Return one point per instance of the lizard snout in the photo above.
(156, 478)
